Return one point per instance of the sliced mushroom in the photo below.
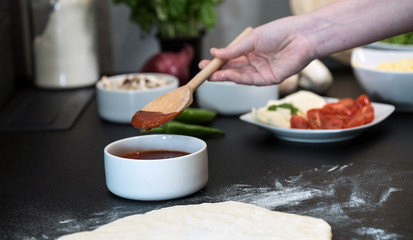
(288, 86)
(316, 77)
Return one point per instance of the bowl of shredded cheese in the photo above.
(120, 96)
(385, 75)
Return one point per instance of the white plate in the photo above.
(381, 112)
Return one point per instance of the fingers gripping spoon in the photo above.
(170, 105)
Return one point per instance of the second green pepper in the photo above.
(196, 116)
(175, 127)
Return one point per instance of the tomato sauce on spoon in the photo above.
(148, 120)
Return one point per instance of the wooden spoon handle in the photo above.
(213, 66)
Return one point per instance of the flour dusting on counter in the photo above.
(386, 194)
(69, 225)
(324, 183)
(339, 194)
(377, 234)
(317, 192)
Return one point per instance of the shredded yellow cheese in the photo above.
(404, 65)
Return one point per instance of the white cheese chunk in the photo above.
(302, 100)
(305, 100)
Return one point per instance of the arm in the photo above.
(281, 48)
(350, 23)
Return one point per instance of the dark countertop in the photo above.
(53, 183)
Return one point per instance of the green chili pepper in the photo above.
(175, 127)
(196, 116)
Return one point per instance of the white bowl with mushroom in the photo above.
(120, 96)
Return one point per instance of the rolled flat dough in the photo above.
(212, 221)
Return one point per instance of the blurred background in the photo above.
(120, 43)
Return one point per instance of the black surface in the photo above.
(52, 183)
(39, 110)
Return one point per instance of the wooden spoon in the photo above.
(170, 105)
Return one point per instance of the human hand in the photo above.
(282, 48)
(268, 55)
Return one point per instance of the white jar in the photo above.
(64, 44)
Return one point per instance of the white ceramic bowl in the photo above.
(384, 86)
(391, 46)
(159, 179)
(119, 106)
(229, 98)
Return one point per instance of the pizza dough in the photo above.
(212, 221)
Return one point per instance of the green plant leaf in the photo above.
(173, 17)
(177, 8)
(406, 38)
(208, 16)
(162, 9)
